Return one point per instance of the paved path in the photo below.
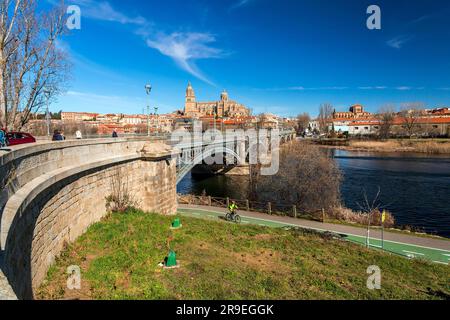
(436, 250)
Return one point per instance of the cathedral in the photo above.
(223, 108)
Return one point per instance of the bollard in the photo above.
(294, 209)
(171, 260)
(228, 202)
(247, 205)
(176, 224)
(209, 201)
(269, 208)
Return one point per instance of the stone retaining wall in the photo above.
(57, 193)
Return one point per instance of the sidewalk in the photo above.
(6, 292)
(436, 250)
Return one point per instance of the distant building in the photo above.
(356, 111)
(78, 116)
(268, 121)
(341, 121)
(134, 119)
(223, 108)
(313, 126)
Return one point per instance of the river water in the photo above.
(414, 187)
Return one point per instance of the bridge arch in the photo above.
(198, 159)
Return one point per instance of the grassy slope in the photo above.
(119, 259)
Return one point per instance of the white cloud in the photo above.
(404, 88)
(103, 103)
(399, 41)
(102, 10)
(240, 3)
(373, 88)
(297, 88)
(300, 88)
(185, 48)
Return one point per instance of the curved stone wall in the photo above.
(53, 192)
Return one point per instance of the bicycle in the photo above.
(233, 217)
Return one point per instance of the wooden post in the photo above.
(269, 208)
(294, 209)
(247, 204)
(228, 202)
(209, 201)
(323, 215)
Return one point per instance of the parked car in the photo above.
(16, 138)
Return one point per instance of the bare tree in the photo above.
(32, 67)
(386, 116)
(410, 114)
(303, 121)
(308, 177)
(121, 198)
(325, 115)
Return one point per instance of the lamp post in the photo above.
(47, 112)
(148, 89)
(156, 115)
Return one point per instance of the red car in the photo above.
(16, 138)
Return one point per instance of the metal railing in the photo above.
(269, 208)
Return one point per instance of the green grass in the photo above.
(119, 260)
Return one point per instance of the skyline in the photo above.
(285, 60)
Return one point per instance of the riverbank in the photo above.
(119, 260)
(414, 187)
(434, 146)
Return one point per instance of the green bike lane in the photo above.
(412, 251)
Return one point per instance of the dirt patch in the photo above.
(265, 260)
(263, 237)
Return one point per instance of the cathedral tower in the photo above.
(190, 105)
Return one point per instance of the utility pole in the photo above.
(156, 115)
(47, 112)
(148, 89)
(382, 236)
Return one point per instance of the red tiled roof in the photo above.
(401, 121)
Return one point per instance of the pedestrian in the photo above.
(114, 134)
(2, 137)
(57, 136)
(78, 135)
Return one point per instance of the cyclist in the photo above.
(232, 208)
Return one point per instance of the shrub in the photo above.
(308, 177)
(120, 199)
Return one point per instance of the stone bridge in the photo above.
(235, 150)
(50, 193)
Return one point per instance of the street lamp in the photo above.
(156, 114)
(148, 89)
(47, 113)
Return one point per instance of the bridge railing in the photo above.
(277, 209)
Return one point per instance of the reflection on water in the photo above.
(414, 187)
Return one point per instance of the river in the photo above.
(414, 187)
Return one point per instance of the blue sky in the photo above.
(282, 56)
